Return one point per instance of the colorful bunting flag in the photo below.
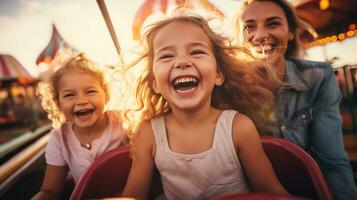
(56, 42)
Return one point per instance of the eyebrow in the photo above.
(274, 18)
(66, 91)
(90, 87)
(73, 90)
(193, 44)
(168, 47)
(268, 19)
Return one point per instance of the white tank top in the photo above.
(214, 172)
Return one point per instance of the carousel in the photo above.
(17, 93)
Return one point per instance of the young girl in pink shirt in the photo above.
(75, 96)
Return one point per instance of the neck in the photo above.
(187, 119)
(280, 67)
(280, 71)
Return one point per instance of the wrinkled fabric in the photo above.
(214, 172)
(307, 109)
(64, 149)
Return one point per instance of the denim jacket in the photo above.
(307, 108)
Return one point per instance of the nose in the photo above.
(182, 62)
(260, 35)
(82, 99)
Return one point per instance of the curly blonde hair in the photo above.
(296, 25)
(48, 87)
(244, 88)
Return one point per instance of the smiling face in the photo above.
(184, 66)
(81, 98)
(266, 31)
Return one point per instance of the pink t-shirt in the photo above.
(64, 149)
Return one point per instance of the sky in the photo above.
(26, 26)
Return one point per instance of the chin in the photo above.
(85, 124)
(270, 57)
(186, 108)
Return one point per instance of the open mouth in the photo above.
(185, 84)
(83, 112)
(264, 49)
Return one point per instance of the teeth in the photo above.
(185, 80)
(266, 47)
(263, 48)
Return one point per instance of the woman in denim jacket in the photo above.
(307, 103)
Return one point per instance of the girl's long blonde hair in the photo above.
(296, 25)
(245, 88)
(48, 87)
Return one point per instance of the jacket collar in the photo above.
(294, 78)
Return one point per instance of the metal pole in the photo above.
(110, 27)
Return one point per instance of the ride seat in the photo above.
(105, 177)
(296, 169)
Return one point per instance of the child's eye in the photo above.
(68, 95)
(91, 91)
(165, 56)
(197, 52)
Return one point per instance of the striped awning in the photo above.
(56, 42)
(11, 69)
(151, 6)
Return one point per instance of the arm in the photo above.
(326, 140)
(256, 165)
(141, 172)
(53, 183)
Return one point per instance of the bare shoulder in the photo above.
(255, 163)
(242, 124)
(243, 130)
(144, 131)
(140, 176)
(144, 138)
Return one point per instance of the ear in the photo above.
(219, 79)
(291, 36)
(154, 87)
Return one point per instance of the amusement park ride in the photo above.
(14, 78)
(22, 161)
